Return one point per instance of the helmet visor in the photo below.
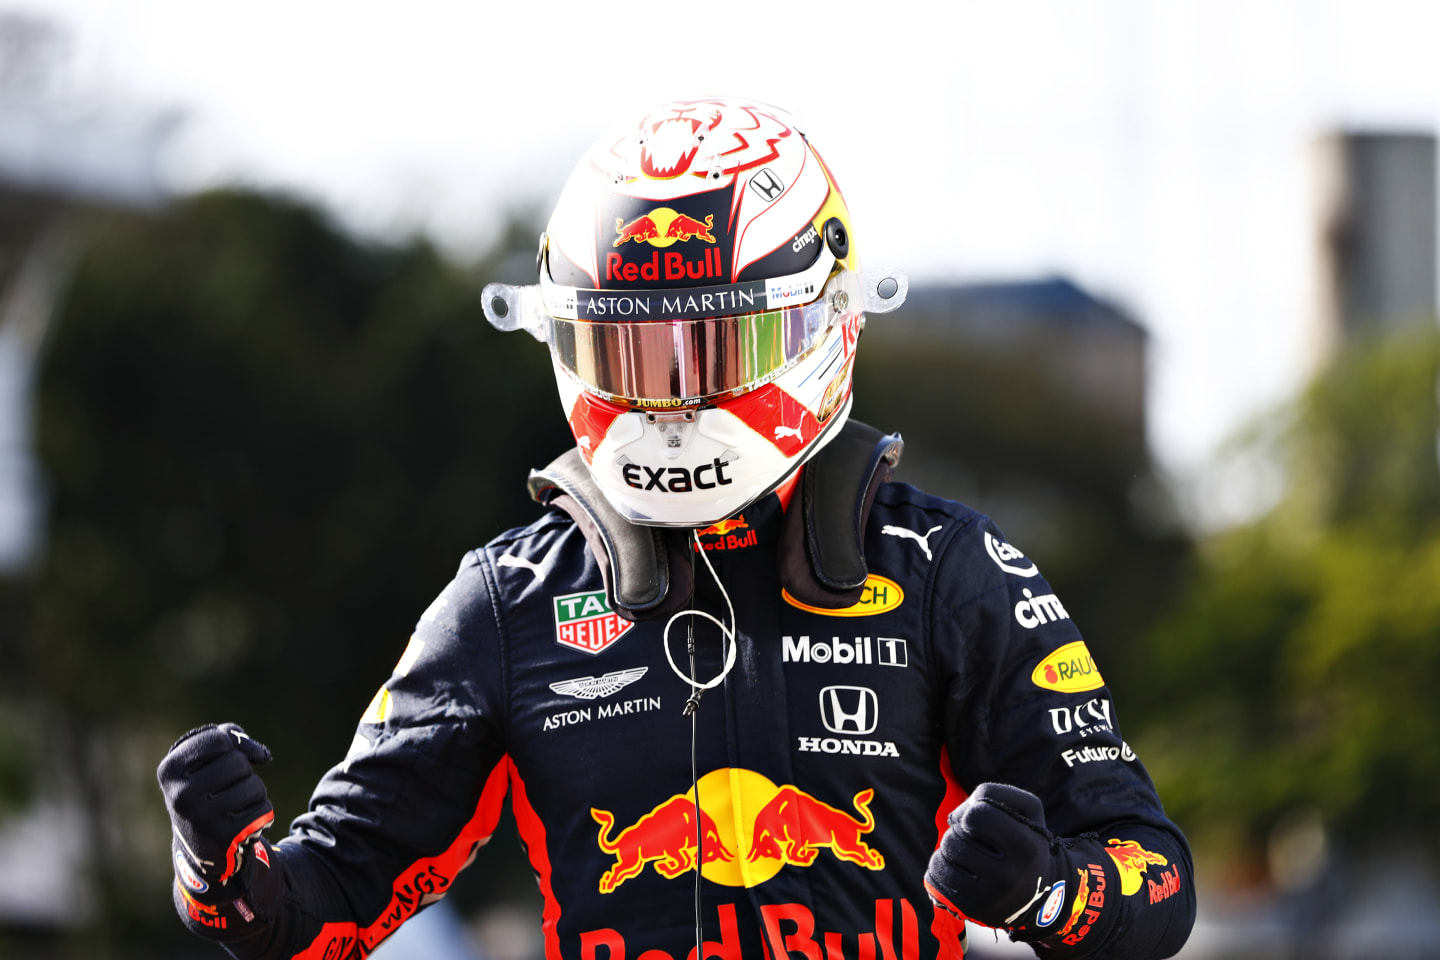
(680, 362)
(681, 347)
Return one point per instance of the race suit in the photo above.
(827, 760)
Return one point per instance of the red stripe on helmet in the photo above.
(590, 421)
(776, 416)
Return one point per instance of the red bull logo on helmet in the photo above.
(674, 266)
(749, 829)
(696, 253)
(662, 226)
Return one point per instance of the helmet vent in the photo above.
(837, 238)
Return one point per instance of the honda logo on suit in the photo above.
(852, 710)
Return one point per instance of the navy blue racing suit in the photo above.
(826, 762)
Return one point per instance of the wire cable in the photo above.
(727, 636)
(692, 707)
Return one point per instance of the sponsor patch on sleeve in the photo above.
(1133, 861)
(1069, 669)
(1008, 558)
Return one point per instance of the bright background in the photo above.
(1158, 154)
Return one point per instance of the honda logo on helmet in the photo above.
(767, 184)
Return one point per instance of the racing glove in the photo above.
(217, 805)
(997, 864)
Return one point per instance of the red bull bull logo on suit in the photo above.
(750, 828)
(666, 836)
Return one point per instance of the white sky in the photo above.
(1158, 153)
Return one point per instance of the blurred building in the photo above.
(58, 161)
(1377, 233)
(1023, 398)
(1092, 353)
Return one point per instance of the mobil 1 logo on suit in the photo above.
(871, 651)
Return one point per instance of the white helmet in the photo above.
(701, 297)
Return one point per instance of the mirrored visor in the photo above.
(660, 362)
(666, 348)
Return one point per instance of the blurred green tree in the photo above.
(1297, 675)
(268, 446)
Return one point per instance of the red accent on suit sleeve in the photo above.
(424, 880)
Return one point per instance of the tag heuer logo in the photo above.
(585, 622)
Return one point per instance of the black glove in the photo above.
(999, 865)
(216, 803)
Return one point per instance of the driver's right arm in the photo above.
(387, 830)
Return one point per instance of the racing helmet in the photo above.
(700, 293)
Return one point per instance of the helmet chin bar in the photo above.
(722, 468)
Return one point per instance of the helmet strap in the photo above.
(647, 570)
(822, 559)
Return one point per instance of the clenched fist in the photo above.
(216, 802)
(999, 865)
